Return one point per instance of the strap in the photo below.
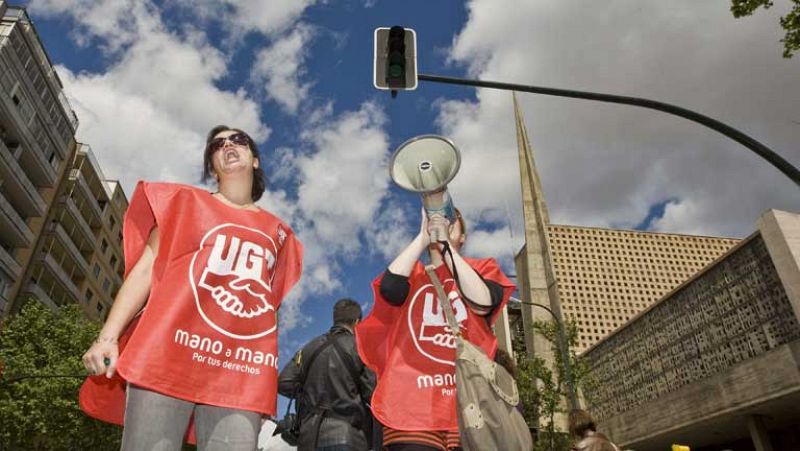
(305, 367)
(444, 302)
(449, 251)
(348, 362)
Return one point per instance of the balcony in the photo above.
(26, 44)
(47, 68)
(13, 229)
(62, 278)
(79, 224)
(32, 158)
(18, 187)
(37, 292)
(89, 199)
(9, 266)
(71, 249)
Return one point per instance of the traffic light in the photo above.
(395, 65)
(396, 58)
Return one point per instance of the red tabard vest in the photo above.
(412, 352)
(208, 333)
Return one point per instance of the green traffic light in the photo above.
(395, 70)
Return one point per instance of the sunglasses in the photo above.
(240, 139)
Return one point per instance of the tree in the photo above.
(543, 391)
(790, 22)
(42, 413)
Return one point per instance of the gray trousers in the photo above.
(156, 422)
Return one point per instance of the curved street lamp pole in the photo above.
(563, 348)
(763, 151)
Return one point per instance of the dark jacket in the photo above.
(332, 406)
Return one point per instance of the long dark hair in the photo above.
(259, 180)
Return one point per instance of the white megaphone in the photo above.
(426, 164)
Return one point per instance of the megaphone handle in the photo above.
(435, 238)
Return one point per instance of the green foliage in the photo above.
(43, 413)
(790, 22)
(543, 390)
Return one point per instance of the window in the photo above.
(114, 262)
(106, 284)
(104, 246)
(96, 270)
(112, 222)
(99, 308)
(89, 295)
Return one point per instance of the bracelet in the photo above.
(110, 340)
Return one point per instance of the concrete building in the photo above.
(606, 276)
(37, 146)
(600, 278)
(716, 362)
(81, 257)
(60, 219)
(693, 339)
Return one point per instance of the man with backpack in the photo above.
(332, 387)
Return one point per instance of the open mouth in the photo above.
(231, 156)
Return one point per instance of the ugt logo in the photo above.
(231, 276)
(427, 323)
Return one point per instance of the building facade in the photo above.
(597, 277)
(607, 276)
(692, 339)
(37, 146)
(81, 257)
(715, 361)
(60, 219)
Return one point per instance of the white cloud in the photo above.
(343, 181)
(389, 232)
(483, 243)
(279, 68)
(116, 23)
(679, 214)
(267, 17)
(605, 164)
(147, 114)
(240, 17)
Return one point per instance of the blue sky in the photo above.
(149, 78)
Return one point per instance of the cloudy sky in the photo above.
(149, 78)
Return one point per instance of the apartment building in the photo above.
(37, 146)
(80, 259)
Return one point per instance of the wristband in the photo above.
(110, 340)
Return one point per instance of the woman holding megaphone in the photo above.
(406, 339)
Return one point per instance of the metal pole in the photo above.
(564, 349)
(763, 151)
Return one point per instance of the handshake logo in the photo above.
(432, 335)
(231, 276)
(237, 295)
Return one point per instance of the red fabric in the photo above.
(208, 333)
(412, 353)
